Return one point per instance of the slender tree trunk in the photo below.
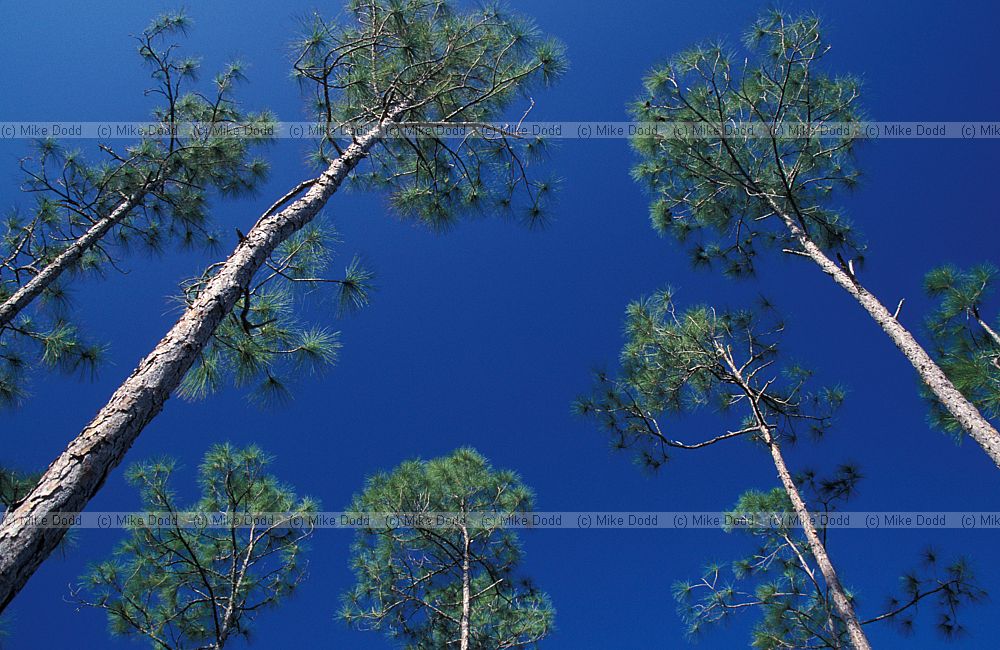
(978, 427)
(466, 591)
(79, 472)
(841, 602)
(235, 585)
(23, 297)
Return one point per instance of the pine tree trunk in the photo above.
(841, 602)
(978, 427)
(466, 592)
(79, 472)
(989, 330)
(23, 297)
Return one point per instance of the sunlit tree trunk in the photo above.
(78, 473)
(989, 330)
(951, 398)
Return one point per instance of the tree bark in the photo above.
(79, 472)
(466, 591)
(841, 602)
(977, 426)
(23, 297)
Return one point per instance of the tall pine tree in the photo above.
(676, 361)
(768, 181)
(388, 63)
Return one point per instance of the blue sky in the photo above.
(484, 335)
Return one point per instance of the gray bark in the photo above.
(466, 591)
(977, 426)
(65, 260)
(79, 472)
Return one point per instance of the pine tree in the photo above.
(388, 65)
(767, 182)
(678, 361)
(200, 575)
(966, 345)
(85, 214)
(777, 579)
(434, 586)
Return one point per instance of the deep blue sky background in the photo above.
(484, 335)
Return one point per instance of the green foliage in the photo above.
(55, 343)
(169, 170)
(751, 144)
(200, 585)
(966, 345)
(444, 66)
(14, 486)
(779, 582)
(261, 342)
(676, 362)
(152, 192)
(410, 578)
(419, 62)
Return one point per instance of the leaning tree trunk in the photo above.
(950, 397)
(23, 297)
(78, 473)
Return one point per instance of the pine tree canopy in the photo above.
(197, 586)
(438, 64)
(409, 579)
(679, 361)
(753, 148)
(751, 144)
(262, 342)
(349, 232)
(431, 64)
